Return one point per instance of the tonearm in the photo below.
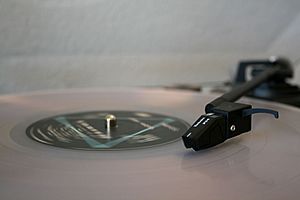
(224, 117)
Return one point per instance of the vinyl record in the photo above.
(59, 145)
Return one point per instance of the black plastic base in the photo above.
(278, 92)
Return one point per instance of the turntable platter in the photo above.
(263, 164)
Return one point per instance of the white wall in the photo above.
(88, 43)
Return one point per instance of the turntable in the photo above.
(131, 143)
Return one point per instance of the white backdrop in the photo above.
(48, 44)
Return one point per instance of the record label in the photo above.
(107, 130)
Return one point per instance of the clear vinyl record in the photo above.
(59, 145)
